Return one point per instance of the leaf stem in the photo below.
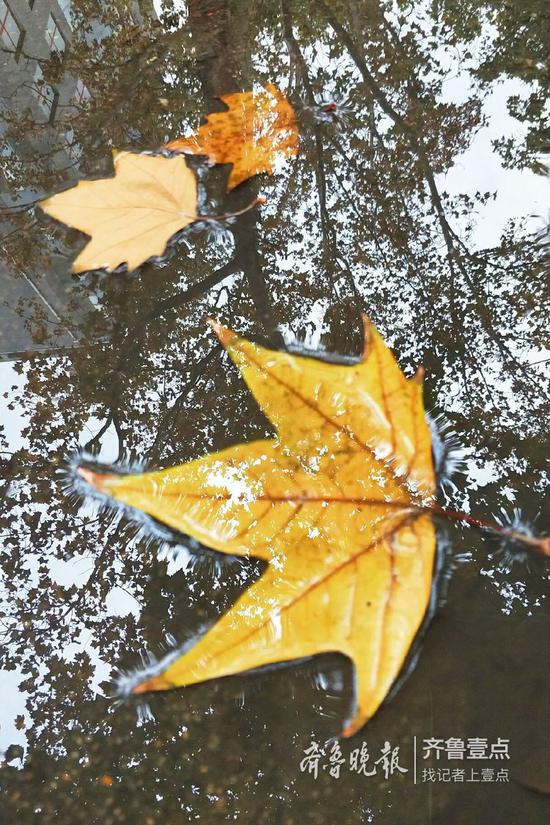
(542, 544)
(259, 201)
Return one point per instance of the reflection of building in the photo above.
(31, 32)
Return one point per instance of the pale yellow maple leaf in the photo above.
(131, 216)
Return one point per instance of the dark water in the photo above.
(421, 200)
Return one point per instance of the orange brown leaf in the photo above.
(255, 134)
(337, 504)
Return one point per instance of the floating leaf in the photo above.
(131, 216)
(333, 504)
(256, 133)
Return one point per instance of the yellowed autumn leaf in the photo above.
(257, 132)
(131, 216)
(337, 504)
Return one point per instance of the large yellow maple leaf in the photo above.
(131, 216)
(334, 503)
(257, 132)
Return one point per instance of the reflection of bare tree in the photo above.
(410, 126)
(328, 231)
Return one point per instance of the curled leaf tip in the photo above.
(152, 684)
(225, 335)
(352, 727)
(96, 480)
(418, 377)
(367, 334)
(544, 545)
